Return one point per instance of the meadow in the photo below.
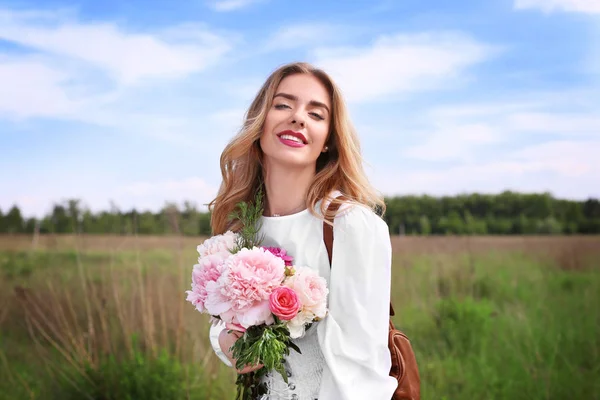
(104, 317)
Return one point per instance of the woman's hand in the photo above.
(227, 340)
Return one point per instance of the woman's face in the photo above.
(297, 125)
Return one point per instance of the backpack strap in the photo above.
(328, 237)
(328, 229)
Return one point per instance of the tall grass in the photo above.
(110, 327)
(511, 323)
(503, 326)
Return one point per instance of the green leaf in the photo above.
(293, 346)
(249, 215)
(266, 345)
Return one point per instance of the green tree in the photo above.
(60, 220)
(190, 219)
(204, 228)
(148, 224)
(424, 225)
(549, 225)
(14, 221)
(30, 224)
(74, 213)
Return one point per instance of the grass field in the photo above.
(104, 317)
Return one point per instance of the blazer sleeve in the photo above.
(354, 335)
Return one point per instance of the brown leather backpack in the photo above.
(404, 364)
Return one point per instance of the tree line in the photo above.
(507, 213)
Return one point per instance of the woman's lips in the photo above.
(292, 139)
(290, 142)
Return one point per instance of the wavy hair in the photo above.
(340, 168)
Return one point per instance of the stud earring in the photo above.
(325, 149)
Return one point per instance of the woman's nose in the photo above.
(298, 120)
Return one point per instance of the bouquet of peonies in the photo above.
(258, 291)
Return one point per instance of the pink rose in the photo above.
(311, 290)
(281, 253)
(284, 303)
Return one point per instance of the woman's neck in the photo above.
(286, 190)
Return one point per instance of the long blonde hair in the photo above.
(340, 168)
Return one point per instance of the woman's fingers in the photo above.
(249, 368)
(235, 327)
(227, 339)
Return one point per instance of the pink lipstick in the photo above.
(292, 139)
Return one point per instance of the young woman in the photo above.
(297, 143)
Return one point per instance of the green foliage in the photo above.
(140, 376)
(483, 326)
(424, 225)
(549, 225)
(16, 265)
(507, 327)
(248, 213)
(22, 264)
(502, 214)
(12, 222)
(261, 345)
(464, 324)
(474, 214)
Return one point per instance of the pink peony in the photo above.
(281, 253)
(311, 290)
(284, 303)
(208, 269)
(241, 318)
(243, 290)
(220, 245)
(216, 302)
(258, 313)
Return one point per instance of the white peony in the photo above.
(311, 290)
(297, 325)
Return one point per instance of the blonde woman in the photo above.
(298, 145)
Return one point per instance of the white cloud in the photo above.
(127, 56)
(565, 158)
(299, 35)
(230, 120)
(103, 74)
(401, 63)
(583, 6)
(34, 88)
(571, 125)
(153, 194)
(485, 110)
(565, 168)
(31, 87)
(232, 5)
(533, 142)
(143, 195)
(453, 142)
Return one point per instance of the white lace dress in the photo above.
(303, 370)
(345, 356)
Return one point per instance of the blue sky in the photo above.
(132, 102)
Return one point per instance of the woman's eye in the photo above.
(281, 106)
(318, 116)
